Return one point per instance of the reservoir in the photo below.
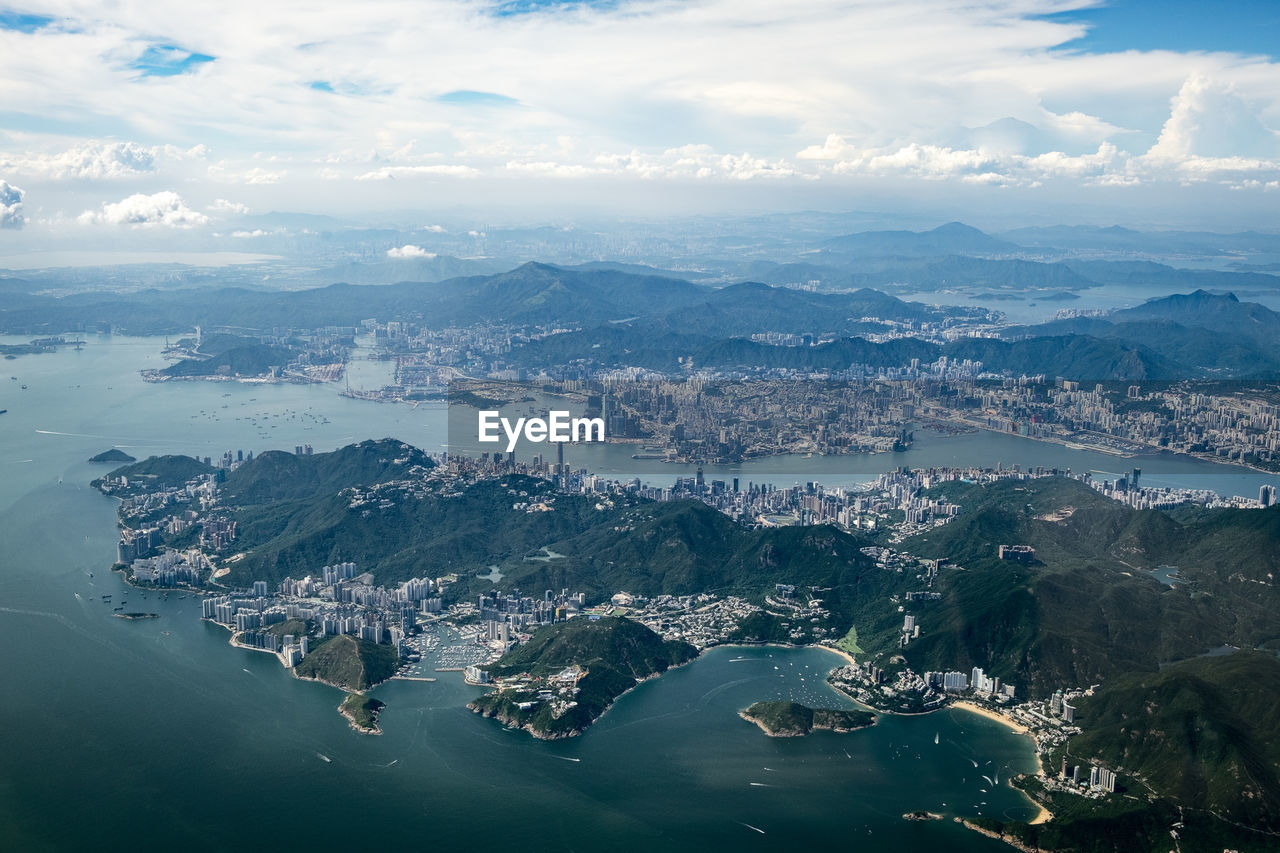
(159, 732)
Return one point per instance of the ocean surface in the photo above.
(158, 734)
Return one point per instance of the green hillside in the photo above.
(616, 652)
(350, 663)
(1088, 609)
(298, 513)
(160, 472)
(248, 360)
(1201, 732)
(280, 476)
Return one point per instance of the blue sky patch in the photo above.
(22, 22)
(1240, 26)
(165, 60)
(321, 85)
(511, 8)
(467, 97)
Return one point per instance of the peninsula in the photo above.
(569, 673)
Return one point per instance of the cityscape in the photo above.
(651, 426)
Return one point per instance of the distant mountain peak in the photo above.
(952, 238)
(956, 227)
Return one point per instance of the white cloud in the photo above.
(553, 169)
(97, 160)
(226, 172)
(162, 209)
(834, 147)
(747, 90)
(1209, 118)
(410, 251)
(434, 229)
(438, 170)
(221, 205)
(11, 205)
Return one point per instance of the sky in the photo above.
(158, 118)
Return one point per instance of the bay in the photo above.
(158, 734)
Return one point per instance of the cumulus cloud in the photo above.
(410, 251)
(162, 209)
(1107, 166)
(221, 205)
(698, 162)
(95, 160)
(1208, 118)
(228, 173)
(434, 229)
(748, 91)
(11, 205)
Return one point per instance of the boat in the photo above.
(935, 738)
(3, 411)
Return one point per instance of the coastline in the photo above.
(1007, 839)
(1007, 721)
(875, 720)
(1143, 451)
(841, 652)
(375, 729)
(1043, 815)
(760, 725)
(528, 727)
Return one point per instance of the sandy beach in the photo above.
(1044, 814)
(1043, 817)
(841, 652)
(1018, 728)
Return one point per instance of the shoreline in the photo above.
(1007, 721)
(875, 721)
(998, 836)
(1143, 451)
(841, 652)
(375, 729)
(760, 726)
(528, 727)
(1043, 815)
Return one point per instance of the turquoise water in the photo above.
(159, 733)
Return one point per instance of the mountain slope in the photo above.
(1202, 732)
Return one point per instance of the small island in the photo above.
(362, 712)
(115, 454)
(569, 673)
(137, 615)
(791, 719)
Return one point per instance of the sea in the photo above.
(158, 734)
